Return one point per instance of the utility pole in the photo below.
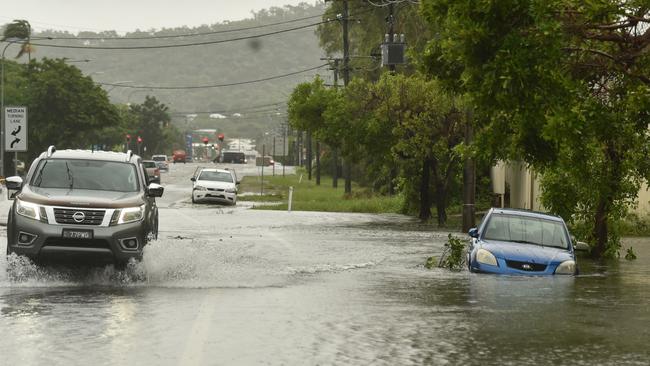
(335, 151)
(469, 180)
(391, 68)
(317, 162)
(346, 80)
(309, 154)
(273, 154)
(391, 31)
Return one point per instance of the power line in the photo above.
(241, 110)
(181, 35)
(185, 44)
(212, 85)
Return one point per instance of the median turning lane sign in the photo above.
(15, 128)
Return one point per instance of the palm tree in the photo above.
(19, 29)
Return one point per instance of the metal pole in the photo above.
(273, 156)
(2, 112)
(284, 149)
(263, 162)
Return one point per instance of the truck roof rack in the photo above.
(129, 154)
(51, 150)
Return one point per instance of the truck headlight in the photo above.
(485, 257)
(28, 209)
(200, 188)
(566, 267)
(131, 214)
(231, 190)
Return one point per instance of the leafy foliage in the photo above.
(562, 85)
(21, 30)
(408, 123)
(453, 256)
(66, 109)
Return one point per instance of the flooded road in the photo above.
(233, 286)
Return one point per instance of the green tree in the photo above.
(561, 85)
(151, 119)
(66, 109)
(368, 25)
(426, 126)
(21, 30)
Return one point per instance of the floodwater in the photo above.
(234, 286)
(333, 289)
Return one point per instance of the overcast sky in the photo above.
(129, 15)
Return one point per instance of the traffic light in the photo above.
(220, 137)
(139, 140)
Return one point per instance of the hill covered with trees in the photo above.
(178, 66)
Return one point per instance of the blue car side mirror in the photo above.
(473, 232)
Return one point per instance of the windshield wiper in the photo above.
(69, 175)
(528, 242)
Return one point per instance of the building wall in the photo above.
(525, 188)
(523, 183)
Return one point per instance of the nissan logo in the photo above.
(78, 216)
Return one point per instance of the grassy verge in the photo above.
(307, 196)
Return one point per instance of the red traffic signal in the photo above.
(128, 137)
(220, 136)
(139, 140)
(205, 140)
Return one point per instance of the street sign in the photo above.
(15, 128)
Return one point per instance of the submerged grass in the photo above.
(307, 196)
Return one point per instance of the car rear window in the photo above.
(86, 174)
(149, 164)
(215, 176)
(159, 158)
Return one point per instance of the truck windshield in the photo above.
(86, 174)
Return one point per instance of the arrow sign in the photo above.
(15, 128)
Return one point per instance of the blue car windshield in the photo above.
(528, 230)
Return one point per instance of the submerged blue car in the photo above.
(510, 241)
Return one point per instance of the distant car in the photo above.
(215, 185)
(152, 170)
(521, 242)
(233, 157)
(179, 156)
(265, 161)
(161, 161)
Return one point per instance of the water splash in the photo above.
(172, 262)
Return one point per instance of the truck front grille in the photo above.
(78, 217)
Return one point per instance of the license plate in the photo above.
(77, 234)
